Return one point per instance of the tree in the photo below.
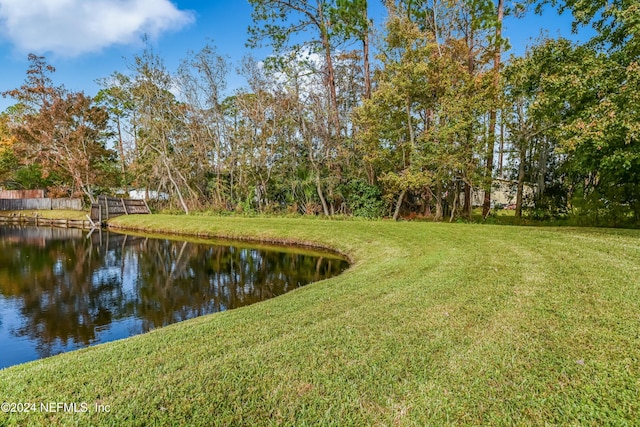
(164, 148)
(201, 79)
(350, 18)
(616, 22)
(577, 135)
(59, 130)
(491, 137)
(305, 16)
(116, 97)
(278, 21)
(422, 128)
(8, 159)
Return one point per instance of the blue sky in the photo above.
(89, 39)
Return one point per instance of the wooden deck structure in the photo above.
(111, 207)
(39, 221)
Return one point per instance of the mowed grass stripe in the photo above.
(434, 324)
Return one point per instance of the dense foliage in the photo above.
(427, 130)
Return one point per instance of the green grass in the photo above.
(433, 324)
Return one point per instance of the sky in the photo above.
(86, 40)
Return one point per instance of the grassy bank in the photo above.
(434, 324)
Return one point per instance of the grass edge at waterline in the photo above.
(433, 324)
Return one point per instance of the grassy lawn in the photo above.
(433, 324)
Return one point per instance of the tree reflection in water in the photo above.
(70, 290)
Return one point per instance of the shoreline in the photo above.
(227, 238)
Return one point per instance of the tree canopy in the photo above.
(429, 126)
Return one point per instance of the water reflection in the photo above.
(61, 289)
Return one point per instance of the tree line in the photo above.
(328, 124)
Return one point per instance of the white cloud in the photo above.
(74, 27)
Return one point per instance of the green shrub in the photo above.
(364, 200)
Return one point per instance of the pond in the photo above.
(64, 289)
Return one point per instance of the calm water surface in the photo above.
(62, 289)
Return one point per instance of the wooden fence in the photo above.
(40, 204)
(110, 207)
(21, 194)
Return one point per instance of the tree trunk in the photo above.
(468, 151)
(331, 80)
(371, 174)
(89, 194)
(439, 211)
(396, 213)
(428, 196)
(454, 205)
(542, 168)
(365, 54)
(325, 208)
(175, 185)
(501, 151)
(121, 152)
(468, 208)
(486, 207)
(523, 159)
